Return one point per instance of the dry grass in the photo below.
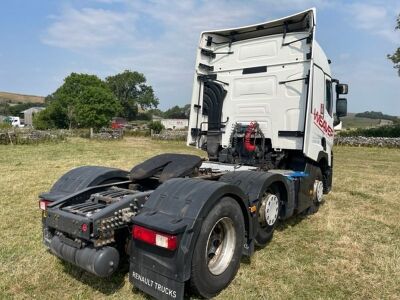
(20, 98)
(349, 249)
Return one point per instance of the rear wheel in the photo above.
(218, 249)
(268, 214)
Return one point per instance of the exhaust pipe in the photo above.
(101, 262)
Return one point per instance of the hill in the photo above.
(376, 115)
(354, 121)
(20, 98)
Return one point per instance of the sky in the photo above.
(44, 41)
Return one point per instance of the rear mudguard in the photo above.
(177, 207)
(306, 186)
(82, 177)
(254, 183)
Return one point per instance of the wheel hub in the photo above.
(318, 190)
(269, 210)
(220, 246)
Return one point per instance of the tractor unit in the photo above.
(263, 109)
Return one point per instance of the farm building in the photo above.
(174, 124)
(29, 113)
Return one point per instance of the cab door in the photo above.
(319, 136)
(328, 114)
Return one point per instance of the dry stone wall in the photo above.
(359, 141)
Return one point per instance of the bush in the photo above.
(137, 133)
(156, 126)
(383, 131)
(143, 116)
(5, 125)
(43, 121)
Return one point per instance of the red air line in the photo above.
(247, 137)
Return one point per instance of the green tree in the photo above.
(95, 107)
(395, 57)
(156, 126)
(54, 116)
(132, 91)
(44, 119)
(82, 101)
(177, 112)
(186, 110)
(155, 112)
(4, 109)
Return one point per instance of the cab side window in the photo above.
(328, 97)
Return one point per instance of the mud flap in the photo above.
(154, 284)
(177, 207)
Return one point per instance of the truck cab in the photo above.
(264, 95)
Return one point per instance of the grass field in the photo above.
(349, 249)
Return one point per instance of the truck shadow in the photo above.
(293, 221)
(281, 226)
(106, 286)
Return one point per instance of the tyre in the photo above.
(218, 249)
(268, 210)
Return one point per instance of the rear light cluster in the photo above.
(43, 204)
(84, 227)
(155, 238)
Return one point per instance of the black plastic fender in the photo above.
(326, 169)
(306, 186)
(82, 177)
(253, 183)
(177, 207)
(323, 155)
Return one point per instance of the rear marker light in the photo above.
(84, 227)
(152, 237)
(43, 204)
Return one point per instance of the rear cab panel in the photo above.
(265, 69)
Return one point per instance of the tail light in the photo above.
(43, 204)
(155, 238)
(84, 227)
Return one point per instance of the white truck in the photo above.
(15, 121)
(263, 110)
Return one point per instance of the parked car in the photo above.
(118, 123)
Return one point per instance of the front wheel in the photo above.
(268, 214)
(218, 249)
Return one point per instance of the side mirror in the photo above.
(342, 89)
(341, 107)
